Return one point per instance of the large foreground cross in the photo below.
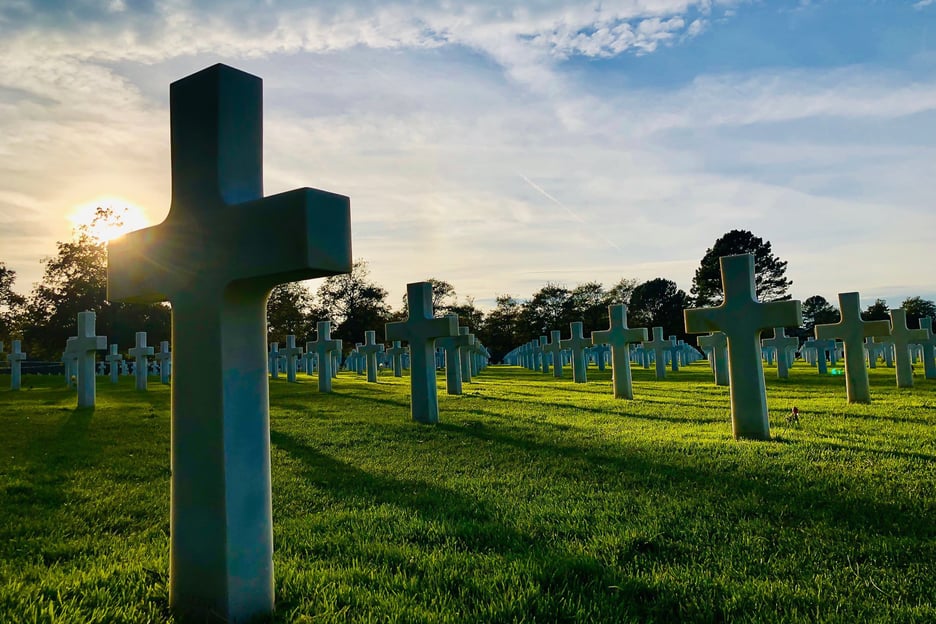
(742, 317)
(212, 260)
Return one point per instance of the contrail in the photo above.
(574, 214)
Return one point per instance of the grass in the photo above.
(533, 501)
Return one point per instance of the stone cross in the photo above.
(453, 345)
(273, 360)
(659, 346)
(309, 357)
(577, 343)
(852, 330)
(822, 347)
(212, 259)
(139, 353)
(554, 346)
(396, 354)
(874, 350)
(742, 317)
(15, 358)
(619, 336)
(902, 338)
(292, 353)
(781, 342)
(718, 343)
(370, 349)
(464, 354)
(82, 347)
(113, 360)
(420, 330)
(336, 357)
(324, 348)
(165, 358)
(928, 344)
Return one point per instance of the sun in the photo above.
(131, 218)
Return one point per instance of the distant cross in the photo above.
(83, 347)
(324, 348)
(396, 357)
(619, 336)
(139, 353)
(273, 360)
(292, 353)
(309, 358)
(212, 259)
(928, 344)
(369, 350)
(541, 352)
(781, 342)
(15, 358)
(852, 330)
(874, 350)
(821, 347)
(902, 338)
(164, 357)
(577, 343)
(659, 346)
(673, 352)
(554, 346)
(336, 357)
(420, 329)
(741, 317)
(718, 343)
(464, 354)
(453, 345)
(70, 362)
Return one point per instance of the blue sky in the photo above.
(500, 145)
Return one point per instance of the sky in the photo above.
(500, 145)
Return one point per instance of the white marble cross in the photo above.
(273, 356)
(369, 350)
(165, 359)
(325, 348)
(742, 317)
(309, 358)
(212, 259)
(902, 338)
(464, 354)
(554, 347)
(781, 342)
(396, 354)
(113, 359)
(619, 336)
(718, 343)
(453, 346)
(852, 330)
(929, 347)
(83, 347)
(139, 353)
(15, 358)
(420, 330)
(659, 346)
(577, 343)
(292, 353)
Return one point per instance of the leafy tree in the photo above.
(443, 297)
(10, 303)
(550, 308)
(588, 303)
(502, 329)
(659, 302)
(918, 308)
(622, 291)
(818, 311)
(354, 304)
(770, 279)
(877, 311)
(469, 315)
(289, 311)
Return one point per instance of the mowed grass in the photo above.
(534, 500)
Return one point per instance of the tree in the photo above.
(550, 308)
(588, 303)
(10, 303)
(354, 304)
(469, 315)
(622, 291)
(818, 311)
(289, 310)
(918, 308)
(443, 297)
(770, 279)
(659, 302)
(877, 311)
(501, 330)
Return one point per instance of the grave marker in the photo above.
(659, 346)
(929, 347)
(15, 358)
(619, 336)
(369, 350)
(554, 347)
(139, 354)
(81, 349)
(165, 358)
(396, 354)
(781, 342)
(292, 353)
(577, 343)
(718, 343)
(901, 338)
(453, 346)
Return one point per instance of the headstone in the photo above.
(465, 353)
(273, 360)
(852, 330)
(902, 338)
(70, 365)
(139, 353)
(718, 343)
(212, 259)
(554, 348)
(82, 347)
(741, 317)
(420, 330)
(164, 357)
(369, 350)
(453, 346)
(325, 348)
(874, 351)
(659, 347)
(15, 358)
(822, 348)
(577, 343)
(396, 357)
(292, 353)
(309, 358)
(928, 346)
(336, 357)
(619, 336)
(113, 360)
(781, 343)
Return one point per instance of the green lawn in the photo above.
(533, 501)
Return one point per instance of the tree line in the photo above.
(75, 279)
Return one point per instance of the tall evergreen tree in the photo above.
(769, 271)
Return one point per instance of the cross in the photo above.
(673, 352)
(336, 357)
(619, 336)
(718, 343)
(874, 351)
(309, 358)
(139, 354)
(659, 346)
(324, 348)
(164, 357)
(292, 353)
(822, 347)
(902, 338)
(273, 360)
(578, 343)
(554, 346)
(396, 354)
(453, 347)
(929, 347)
(82, 348)
(113, 359)
(852, 330)
(742, 317)
(15, 358)
(464, 354)
(70, 362)
(212, 260)
(420, 330)
(369, 350)
(781, 342)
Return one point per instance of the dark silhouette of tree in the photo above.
(469, 315)
(502, 328)
(11, 304)
(659, 302)
(443, 297)
(770, 279)
(550, 308)
(918, 308)
(622, 291)
(588, 303)
(877, 311)
(818, 311)
(289, 311)
(354, 304)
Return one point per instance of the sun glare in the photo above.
(131, 217)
